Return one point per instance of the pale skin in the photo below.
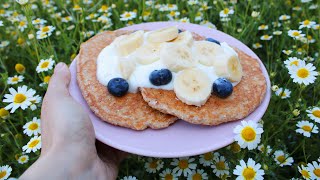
(69, 148)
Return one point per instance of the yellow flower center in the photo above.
(283, 94)
(306, 22)
(20, 68)
(248, 133)
(305, 173)
(19, 98)
(303, 73)
(183, 164)
(263, 26)
(2, 11)
(76, 6)
(168, 177)
(248, 173)
(23, 159)
(153, 164)
(281, 159)
(34, 143)
(265, 36)
(294, 63)
(208, 156)
(316, 113)
(45, 29)
(33, 126)
(37, 21)
(127, 15)
(46, 79)
(172, 13)
(296, 33)
(104, 7)
(197, 176)
(3, 174)
(4, 112)
(221, 165)
(309, 37)
(170, 5)
(235, 147)
(44, 64)
(226, 10)
(307, 128)
(258, 44)
(22, 23)
(20, 41)
(91, 16)
(317, 172)
(15, 79)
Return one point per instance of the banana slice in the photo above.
(126, 67)
(177, 56)
(147, 54)
(185, 38)
(206, 52)
(163, 35)
(192, 86)
(228, 66)
(128, 43)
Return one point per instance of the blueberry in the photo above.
(160, 77)
(213, 40)
(118, 87)
(180, 31)
(222, 87)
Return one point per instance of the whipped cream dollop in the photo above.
(108, 68)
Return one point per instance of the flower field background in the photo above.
(37, 34)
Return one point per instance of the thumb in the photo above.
(59, 82)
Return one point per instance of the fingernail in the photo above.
(59, 66)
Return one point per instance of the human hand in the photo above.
(69, 149)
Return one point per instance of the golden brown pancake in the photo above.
(245, 98)
(129, 111)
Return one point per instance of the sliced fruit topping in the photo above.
(128, 43)
(184, 38)
(147, 53)
(160, 77)
(213, 40)
(177, 56)
(163, 35)
(222, 87)
(205, 52)
(118, 87)
(228, 66)
(192, 86)
(126, 67)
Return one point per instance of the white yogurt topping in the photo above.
(107, 69)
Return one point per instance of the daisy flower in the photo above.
(199, 16)
(15, 79)
(173, 14)
(45, 32)
(193, 2)
(33, 145)
(284, 17)
(129, 178)
(128, 16)
(266, 37)
(207, 158)
(313, 6)
(248, 135)
(45, 65)
(167, 174)
(306, 23)
(22, 25)
(91, 16)
(4, 44)
(263, 149)
(153, 165)
(276, 24)
(316, 27)
(32, 127)
(305, 1)
(314, 114)
(282, 159)
(39, 21)
(287, 52)
(76, 7)
(185, 20)
(172, 7)
(314, 169)
(67, 19)
(263, 27)
(306, 128)
(4, 114)
(220, 166)
(183, 165)
(226, 12)
(249, 170)
(204, 6)
(198, 174)
(255, 14)
(297, 8)
(208, 24)
(23, 159)
(37, 99)
(257, 45)
(22, 2)
(295, 34)
(5, 171)
(277, 33)
(146, 15)
(104, 8)
(19, 99)
(304, 171)
(292, 61)
(303, 73)
(284, 94)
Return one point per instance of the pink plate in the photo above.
(180, 139)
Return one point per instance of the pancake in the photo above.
(129, 111)
(245, 98)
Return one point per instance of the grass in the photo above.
(279, 122)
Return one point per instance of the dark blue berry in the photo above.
(160, 77)
(222, 87)
(118, 87)
(180, 31)
(213, 40)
